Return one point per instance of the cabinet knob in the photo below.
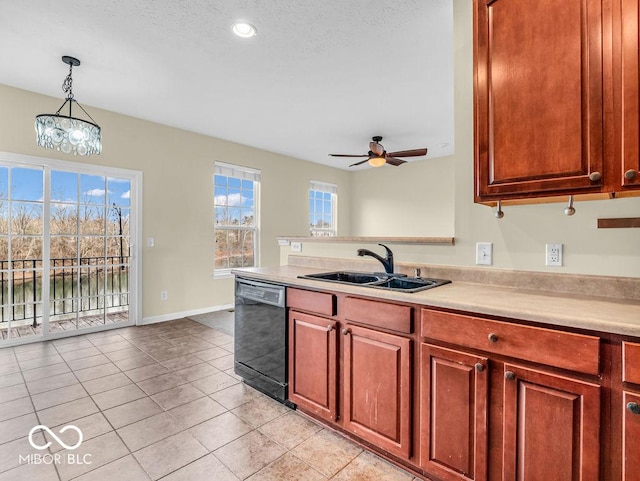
(510, 375)
(493, 337)
(346, 332)
(329, 328)
(595, 176)
(630, 174)
(633, 407)
(479, 367)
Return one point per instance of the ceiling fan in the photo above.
(377, 156)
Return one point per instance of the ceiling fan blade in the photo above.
(395, 162)
(359, 163)
(409, 153)
(347, 155)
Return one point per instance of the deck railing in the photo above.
(88, 284)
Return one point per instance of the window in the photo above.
(235, 194)
(323, 198)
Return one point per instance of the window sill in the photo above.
(225, 274)
(371, 240)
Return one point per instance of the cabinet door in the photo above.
(377, 388)
(313, 375)
(453, 413)
(538, 97)
(631, 437)
(630, 175)
(551, 427)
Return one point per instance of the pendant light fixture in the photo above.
(67, 133)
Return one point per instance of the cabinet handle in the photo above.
(329, 328)
(633, 407)
(479, 367)
(630, 174)
(493, 337)
(510, 375)
(346, 331)
(595, 176)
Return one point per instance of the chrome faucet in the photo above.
(387, 262)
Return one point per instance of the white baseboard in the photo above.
(179, 315)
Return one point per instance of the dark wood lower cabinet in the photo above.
(313, 375)
(551, 427)
(377, 388)
(481, 400)
(453, 413)
(631, 436)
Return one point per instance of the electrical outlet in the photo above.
(554, 255)
(296, 246)
(163, 295)
(484, 253)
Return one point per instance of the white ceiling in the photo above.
(321, 76)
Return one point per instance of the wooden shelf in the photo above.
(372, 240)
(619, 223)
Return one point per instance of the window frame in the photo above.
(325, 188)
(242, 173)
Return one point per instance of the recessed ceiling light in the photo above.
(244, 30)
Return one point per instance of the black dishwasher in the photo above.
(260, 328)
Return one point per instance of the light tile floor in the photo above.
(159, 402)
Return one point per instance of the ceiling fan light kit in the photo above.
(67, 133)
(377, 156)
(377, 161)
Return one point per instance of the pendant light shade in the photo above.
(67, 133)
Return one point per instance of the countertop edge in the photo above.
(578, 312)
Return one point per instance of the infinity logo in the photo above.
(58, 440)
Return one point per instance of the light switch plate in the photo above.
(484, 253)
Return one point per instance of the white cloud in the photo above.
(118, 180)
(96, 192)
(233, 200)
(126, 195)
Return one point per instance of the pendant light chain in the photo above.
(67, 85)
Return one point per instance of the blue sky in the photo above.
(27, 184)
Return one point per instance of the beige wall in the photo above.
(414, 199)
(433, 197)
(518, 239)
(177, 196)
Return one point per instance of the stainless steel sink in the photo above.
(393, 282)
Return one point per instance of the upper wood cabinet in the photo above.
(557, 109)
(538, 97)
(629, 176)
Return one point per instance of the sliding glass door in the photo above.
(65, 249)
(21, 251)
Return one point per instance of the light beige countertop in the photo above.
(604, 314)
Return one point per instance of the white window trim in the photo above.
(247, 173)
(318, 185)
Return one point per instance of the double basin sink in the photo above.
(394, 282)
